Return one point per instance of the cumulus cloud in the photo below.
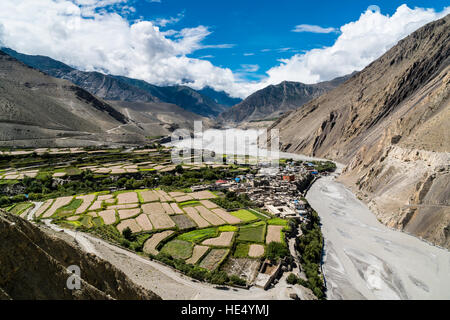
(359, 43)
(313, 29)
(94, 35)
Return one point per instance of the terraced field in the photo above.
(182, 225)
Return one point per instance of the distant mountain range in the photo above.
(206, 102)
(37, 109)
(273, 101)
(390, 124)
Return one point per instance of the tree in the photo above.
(127, 233)
(276, 250)
(292, 279)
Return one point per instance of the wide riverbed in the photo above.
(366, 260)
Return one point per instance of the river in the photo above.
(366, 260)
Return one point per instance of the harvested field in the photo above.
(161, 221)
(274, 234)
(96, 205)
(118, 171)
(194, 215)
(108, 216)
(59, 202)
(213, 259)
(178, 249)
(87, 201)
(176, 194)
(208, 204)
(144, 222)
(168, 208)
(73, 218)
(44, 207)
(210, 216)
(149, 196)
(124, 206)
(224, 240)
(197, 254)
(183, 222)
(59, 174)
(105, 197)
(163, 196)
(93, 214)
(183, 198)
(202, 195)
(128, 197)
(110, 201)
(226, 216)
(152, 243)
(125, 214)
(154, 208)
(130, 223)
(256, 251)
(176, 208)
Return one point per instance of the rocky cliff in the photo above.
(390, 124)
(34, 264)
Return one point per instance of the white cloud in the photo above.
(359, 43)
(249, 67)
(313, 29)
(94, 35)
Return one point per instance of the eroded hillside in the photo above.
(390, 125)
(34, 266)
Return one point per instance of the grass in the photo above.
(241, 250)
(199, 235)
(228, 229)
(277, 222)
(178, 249)
(20, 208)
(86, 221)
(255, 232)
(73, 205)
(244, 215)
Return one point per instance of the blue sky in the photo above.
(235, 46)
(255, 27)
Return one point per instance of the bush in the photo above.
(127, 233)
(292, 279)
(234, 279)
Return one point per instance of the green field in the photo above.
(228, 229)
(277, 222)
(20, 208)
(244, 215)
(241, 250)
(189, 203)
(178, 249)
(255, 232)
(199, 235)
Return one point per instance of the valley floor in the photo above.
(366, 260)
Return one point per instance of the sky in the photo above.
(235, 46)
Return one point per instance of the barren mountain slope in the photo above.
(390, 124)
(273, 101)
(34, 266)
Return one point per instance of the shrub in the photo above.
(292, 279)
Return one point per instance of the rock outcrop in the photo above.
(34, 264)
(390, 125)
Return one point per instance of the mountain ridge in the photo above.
(389, 125)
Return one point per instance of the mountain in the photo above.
(118, 88)
(183, 96)
(390, 125)
(274, 100)
(37, 109)
(220, 97)
(35, 261)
